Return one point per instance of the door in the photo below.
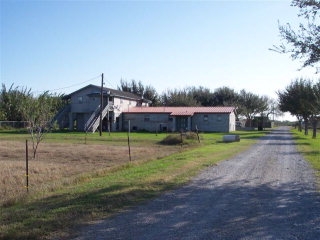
(182, 123)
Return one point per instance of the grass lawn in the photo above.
(310, 148)
(103, 190)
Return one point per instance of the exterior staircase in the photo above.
(62, 117)
(93, 122)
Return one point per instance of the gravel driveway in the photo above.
(267, 192)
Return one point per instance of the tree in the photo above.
(10, 102)
(132, 87)
(225, 96)
(273, 108)
(298, 98)
(177, 98)
(303, 43)
(147, 92)
(316, 108)
(203, 96)
(151, 94)
(251, 104)
(38, 112)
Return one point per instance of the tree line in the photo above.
(19, 104)
(302, 99)
(247, 104)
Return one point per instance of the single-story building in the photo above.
(173, 119)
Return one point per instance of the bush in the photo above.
(191, 135)
(175, 139)
(172, 139)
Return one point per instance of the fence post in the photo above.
(129, 141)
(27, 167)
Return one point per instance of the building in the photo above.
(83, 109)
(123, 110)
(173, 119)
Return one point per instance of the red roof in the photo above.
(180, 111)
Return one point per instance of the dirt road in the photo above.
(267, 192)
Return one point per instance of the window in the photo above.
(219, 118)
(205, 118)
(80, 99)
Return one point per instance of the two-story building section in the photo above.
(83, 109)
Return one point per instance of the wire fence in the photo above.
(13, 124)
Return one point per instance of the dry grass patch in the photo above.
(59, 164)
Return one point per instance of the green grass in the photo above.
(81, 137)
(57, 212)
(310, 148)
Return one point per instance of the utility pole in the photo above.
(101, 104)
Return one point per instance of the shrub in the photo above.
(172, 139)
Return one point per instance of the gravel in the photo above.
(266, 192)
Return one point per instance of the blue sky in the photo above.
(60, 45)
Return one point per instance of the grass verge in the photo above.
(55, 213)
(310, 149)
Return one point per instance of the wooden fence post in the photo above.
(27, 167)
(129, 142)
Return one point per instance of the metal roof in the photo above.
(107, 91)
(180, 111)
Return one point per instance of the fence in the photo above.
(13, 124)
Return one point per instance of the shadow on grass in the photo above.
(285, 211)
(231, 211)
(61, 212)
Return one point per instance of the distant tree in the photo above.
(2, 115)
(251, 105)
(273, 108)
(316, 108)
(298, 98)
(125, 86)
(10, 102)
(151, 94)
(225, 96)
(178, 98)
(303, 43)
(203, 96)
(132, 87)
(147, 92)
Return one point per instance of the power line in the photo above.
(110, 83)
(74, 85)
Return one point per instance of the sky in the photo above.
(61, 46)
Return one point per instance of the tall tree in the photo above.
(10, 102)
(225, 96)
(203, 96)
(273, 108)
(178, 97)
(131, 86)
(151, 94)
(304, 42)
(316, 108)
(147, 92)
(251, 105)
(298, 98)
